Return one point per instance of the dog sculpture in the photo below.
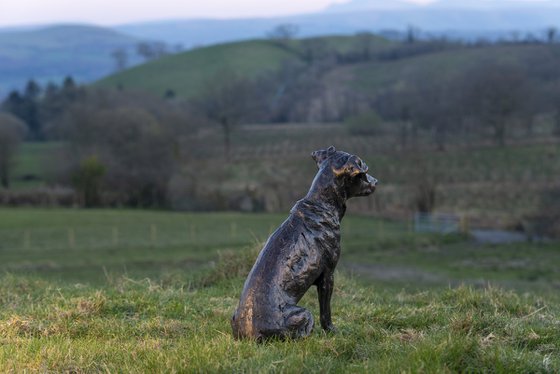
(302, 252)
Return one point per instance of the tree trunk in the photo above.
(529, 126)
(500, 133)
(557, 124)
(4, 178)
(227, 139)
(403, 134)
(440, 137)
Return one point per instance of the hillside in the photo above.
(187, 73)
(52, 53)
(372, 77)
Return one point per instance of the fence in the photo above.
(443, 223)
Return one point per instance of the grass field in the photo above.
(146, 291)
(188, 73)
(498, 185)
(32, 164)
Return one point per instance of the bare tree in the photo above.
(120, 56)
(314, 50)
(227, 102)
(551, 34)
(151, 50)
(284, 32)
(557, 123)
(11, 134)
(412, 34)
(494, 95)
(426, 183)
(366, 43)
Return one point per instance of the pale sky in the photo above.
(111, 12)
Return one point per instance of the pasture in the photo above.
(137, 291)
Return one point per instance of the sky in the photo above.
(112, 12)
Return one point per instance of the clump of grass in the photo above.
(146, 326)
(230, 265)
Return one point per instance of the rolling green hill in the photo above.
(188, 72)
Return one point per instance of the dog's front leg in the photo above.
(325, 285)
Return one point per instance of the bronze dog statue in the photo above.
(302, 252)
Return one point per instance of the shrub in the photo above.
(87, 181)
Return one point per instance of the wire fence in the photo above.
(115, 236)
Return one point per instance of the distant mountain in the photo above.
(458, 18)
(488, 5)
(357, 5)
(51, 53)
(495, 4)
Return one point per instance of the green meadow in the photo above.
(149, 291)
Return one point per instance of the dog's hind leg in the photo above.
(298, 322)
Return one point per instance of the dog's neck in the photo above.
(324, 192)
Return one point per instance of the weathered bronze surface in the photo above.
(302, 252)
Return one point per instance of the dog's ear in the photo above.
(353, 166)
(321, 155)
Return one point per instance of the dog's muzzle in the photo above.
(370, 185)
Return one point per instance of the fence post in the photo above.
(464, 224)
(193, 233)
(115, 236)
(26, 239)
(71, 238)
(153, 234)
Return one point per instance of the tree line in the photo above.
(125, 149)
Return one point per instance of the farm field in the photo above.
(103, 290)
(490, 184)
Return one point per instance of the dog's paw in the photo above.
(330, 329)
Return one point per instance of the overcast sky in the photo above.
(110, 12)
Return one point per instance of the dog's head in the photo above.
(350, 172)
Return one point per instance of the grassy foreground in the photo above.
(143, 326)
(146, 291)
